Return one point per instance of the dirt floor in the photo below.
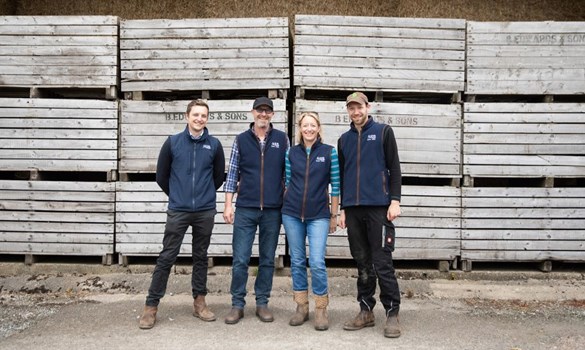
(54, 306)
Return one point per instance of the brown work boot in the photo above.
(363, 319)
(234, 316)
(264, 314)
(321, 317)
(201, 310)
(302, 313)
(392, 328)
(148, 318)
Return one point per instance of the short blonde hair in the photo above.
(314, 115)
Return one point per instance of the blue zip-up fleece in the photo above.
(191, 170)
(369, 166)
(307, 195)
(261, 172)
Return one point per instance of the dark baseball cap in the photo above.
(263, 101)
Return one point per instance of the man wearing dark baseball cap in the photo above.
(256, 173)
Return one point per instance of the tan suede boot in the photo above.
(302, 313)
(363, 319)
(201, 310)
(321, 317)
(148, 318)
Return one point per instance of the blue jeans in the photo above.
(245, 223)
(297, 232)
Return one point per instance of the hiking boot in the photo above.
(363, 319)
(321, 317)
(201, 310)
(392, 328)
(148, 318)
(302, 313)
(234, 316)
(264, 314)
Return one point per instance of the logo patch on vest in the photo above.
(320, 160)
(207, 146)
(275, 145)
(371, 138)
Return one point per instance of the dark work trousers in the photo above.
(177, 224)
(371, 242)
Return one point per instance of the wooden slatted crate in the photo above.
(57, 218)
(58, 134)
(59, 51)
(378, 53)
(429, 228)
(525, 58)
(523, 224)
(140, 224)
(205, 54)
(428, 136)
(144, 126)
(524, 140)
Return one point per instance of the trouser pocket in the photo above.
(388, 238)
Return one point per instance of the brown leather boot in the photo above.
(302, 313)
(392, 328)
(148, 318)
(201, 310)
(363, 319)
(321, 317)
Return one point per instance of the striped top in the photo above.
(334, 173)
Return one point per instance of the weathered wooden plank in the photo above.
(521, 171)
(58, 133)
(61, 40)
(168, 64)
(56, 248)
(59, 70)
(404, 53)
(207, 33)
(186, 84)
(99, 155)
(520, 223)
(411, 74)
(202, 74)
(522, 255)
(378, 84)
(55, 123)
(379, 32)
(59, 144)
(188, 44)
(443, 23)
(379, 63)
(51, 51)
(58, 20)
(65, 186)
(349, 41)
(525, 50)
(59, 106)
(205, 23)
(514, 63)
(90, 60)
(522, 139)
(544, 27)
(59, 165)
(223, 53)
(9, 215)
(57, 227)
(41, 237)
(57, 80)
(528, 202)
(511, 192)
(509, 234)
(59, 30)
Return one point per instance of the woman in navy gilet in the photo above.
(309, 212)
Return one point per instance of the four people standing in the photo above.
(261, 165)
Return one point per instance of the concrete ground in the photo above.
(60, 306)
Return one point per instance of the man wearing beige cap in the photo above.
(370, 199)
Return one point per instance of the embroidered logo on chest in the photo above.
(371, 138)
(320, 160)
(275, 145)
(207, 146)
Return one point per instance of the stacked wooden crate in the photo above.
(58, 155)
(383, 57)
(229, 62)
(519, 158)
(52, 52)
